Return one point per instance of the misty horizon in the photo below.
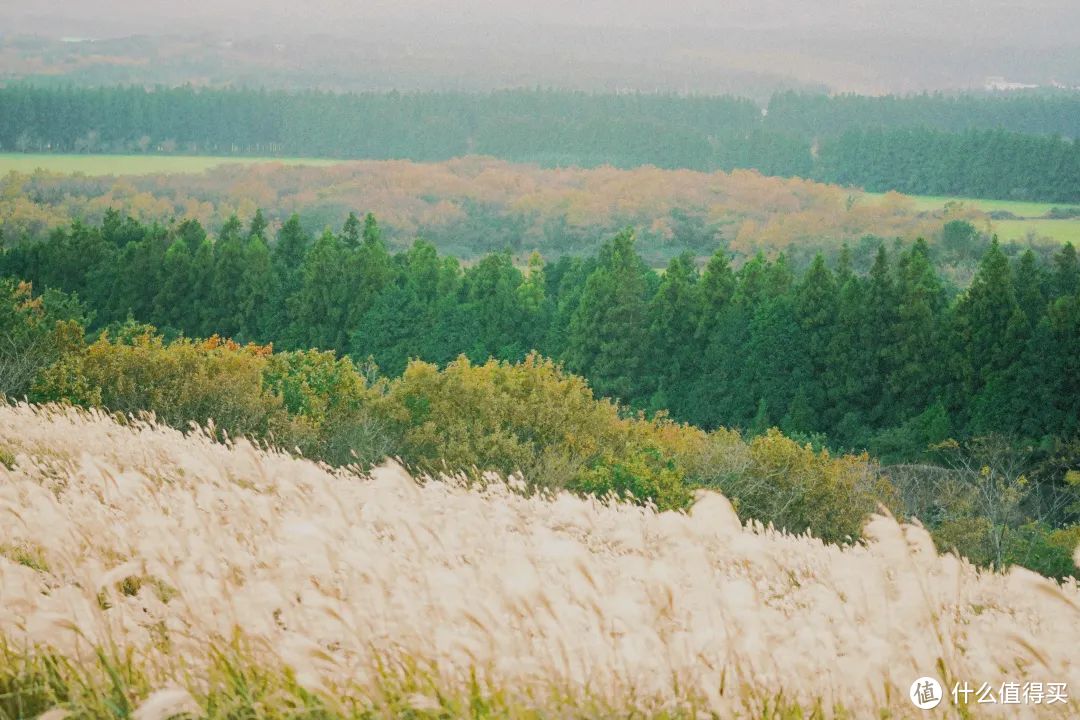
(753, 48)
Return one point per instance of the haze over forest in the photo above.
(868, 46)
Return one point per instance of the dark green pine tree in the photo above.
(850, 375)
(753, 281)
(175, 302)
(191, 232)
(565, 285)
(801, 417)
(724, 394)
(403, 321)
(536, 307)
(608, 339)
(443, 335)
(1029, 287)
(368, 266)
(351, 232)
(816, 303)
(225, 304)
(389, 332)
(1066, 274)
(986, 323)
(320, 306)
(674, 318)
(492, 314)
(258, 226)
(202, 281)
(917, 345)
(288, 255)
(761, 422)
(776, 364)
(1052, 373)
(705, 392)
(717, 291)
(845, 266)
(258, 293)
(879, 320)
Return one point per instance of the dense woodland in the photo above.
(892, 359)
(974, 163)
(1031, 113)
(1021, 144)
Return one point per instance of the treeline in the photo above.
(985, 164)
(555, 128)
(549, 127)
(1032, 113)
(892, 360)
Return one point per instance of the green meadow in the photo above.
(1030, 217)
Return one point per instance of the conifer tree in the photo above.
(717, 291)
(609, 330)
(1066, 278)
(257, 228)
(981, 320)
(674, 318)
(319, 308)
(917, 334)
(174, 304)
(258, 292)
(225, 306)
(492, 306)
(368, 266)
(816, 307)
(1029, 287)
(536, 307)
(351, 232)
(878, 324)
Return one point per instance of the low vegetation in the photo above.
(172, 574)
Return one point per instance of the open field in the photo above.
(135, 164)
(1030, 217)
(1060, 230)
(1021, 209)
(185, 576)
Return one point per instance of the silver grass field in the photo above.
(151, 574)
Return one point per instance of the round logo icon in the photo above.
(925, 693)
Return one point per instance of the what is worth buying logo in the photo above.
(926, 693)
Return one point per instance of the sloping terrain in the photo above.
(141, 568)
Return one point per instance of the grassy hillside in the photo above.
(336, 595)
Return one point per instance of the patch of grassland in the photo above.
(1019, 208)
(1031, 217)
(135, 164)
(1061, 231)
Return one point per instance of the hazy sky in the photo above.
(860, 45)
(1041, 20)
